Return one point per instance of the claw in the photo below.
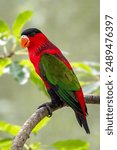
(48, 109)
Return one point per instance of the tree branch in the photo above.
(37, 116)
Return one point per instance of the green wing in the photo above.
(57, 73)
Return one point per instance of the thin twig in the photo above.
(92, 99)
(12, 53)
(36, 117)
(7, 55)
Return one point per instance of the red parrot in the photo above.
(56, 73)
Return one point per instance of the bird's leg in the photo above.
(55, 102)
(55, 99)
(48, 107)
(52, 105)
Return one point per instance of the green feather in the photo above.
(70, 99)
(57, 73)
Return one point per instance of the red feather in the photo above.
(80, 99)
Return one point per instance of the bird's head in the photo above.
(32, 38)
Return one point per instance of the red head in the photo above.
(32, 38)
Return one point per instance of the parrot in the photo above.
(56, 72)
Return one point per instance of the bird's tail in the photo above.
(82, 121)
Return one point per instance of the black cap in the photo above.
(30, 32)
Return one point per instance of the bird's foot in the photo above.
(48, 109)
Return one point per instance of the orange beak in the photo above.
(24, 42)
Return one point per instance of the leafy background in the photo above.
(74, 27)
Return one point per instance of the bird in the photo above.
(56, 72)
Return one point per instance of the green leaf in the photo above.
(91, 87)
(9, 128)
(3, 63)
(4, 29)
(93, 64)
(82, 66)
(5, 144)
(34, 146)
(20, 21)
(95, 67)
(40, 125)
(4, 32)
(71, 145)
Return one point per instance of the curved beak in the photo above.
(24, 42)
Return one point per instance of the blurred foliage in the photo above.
(22, 71)
(9, 128)
(12, 130)
(20, 21)
(71, 145)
